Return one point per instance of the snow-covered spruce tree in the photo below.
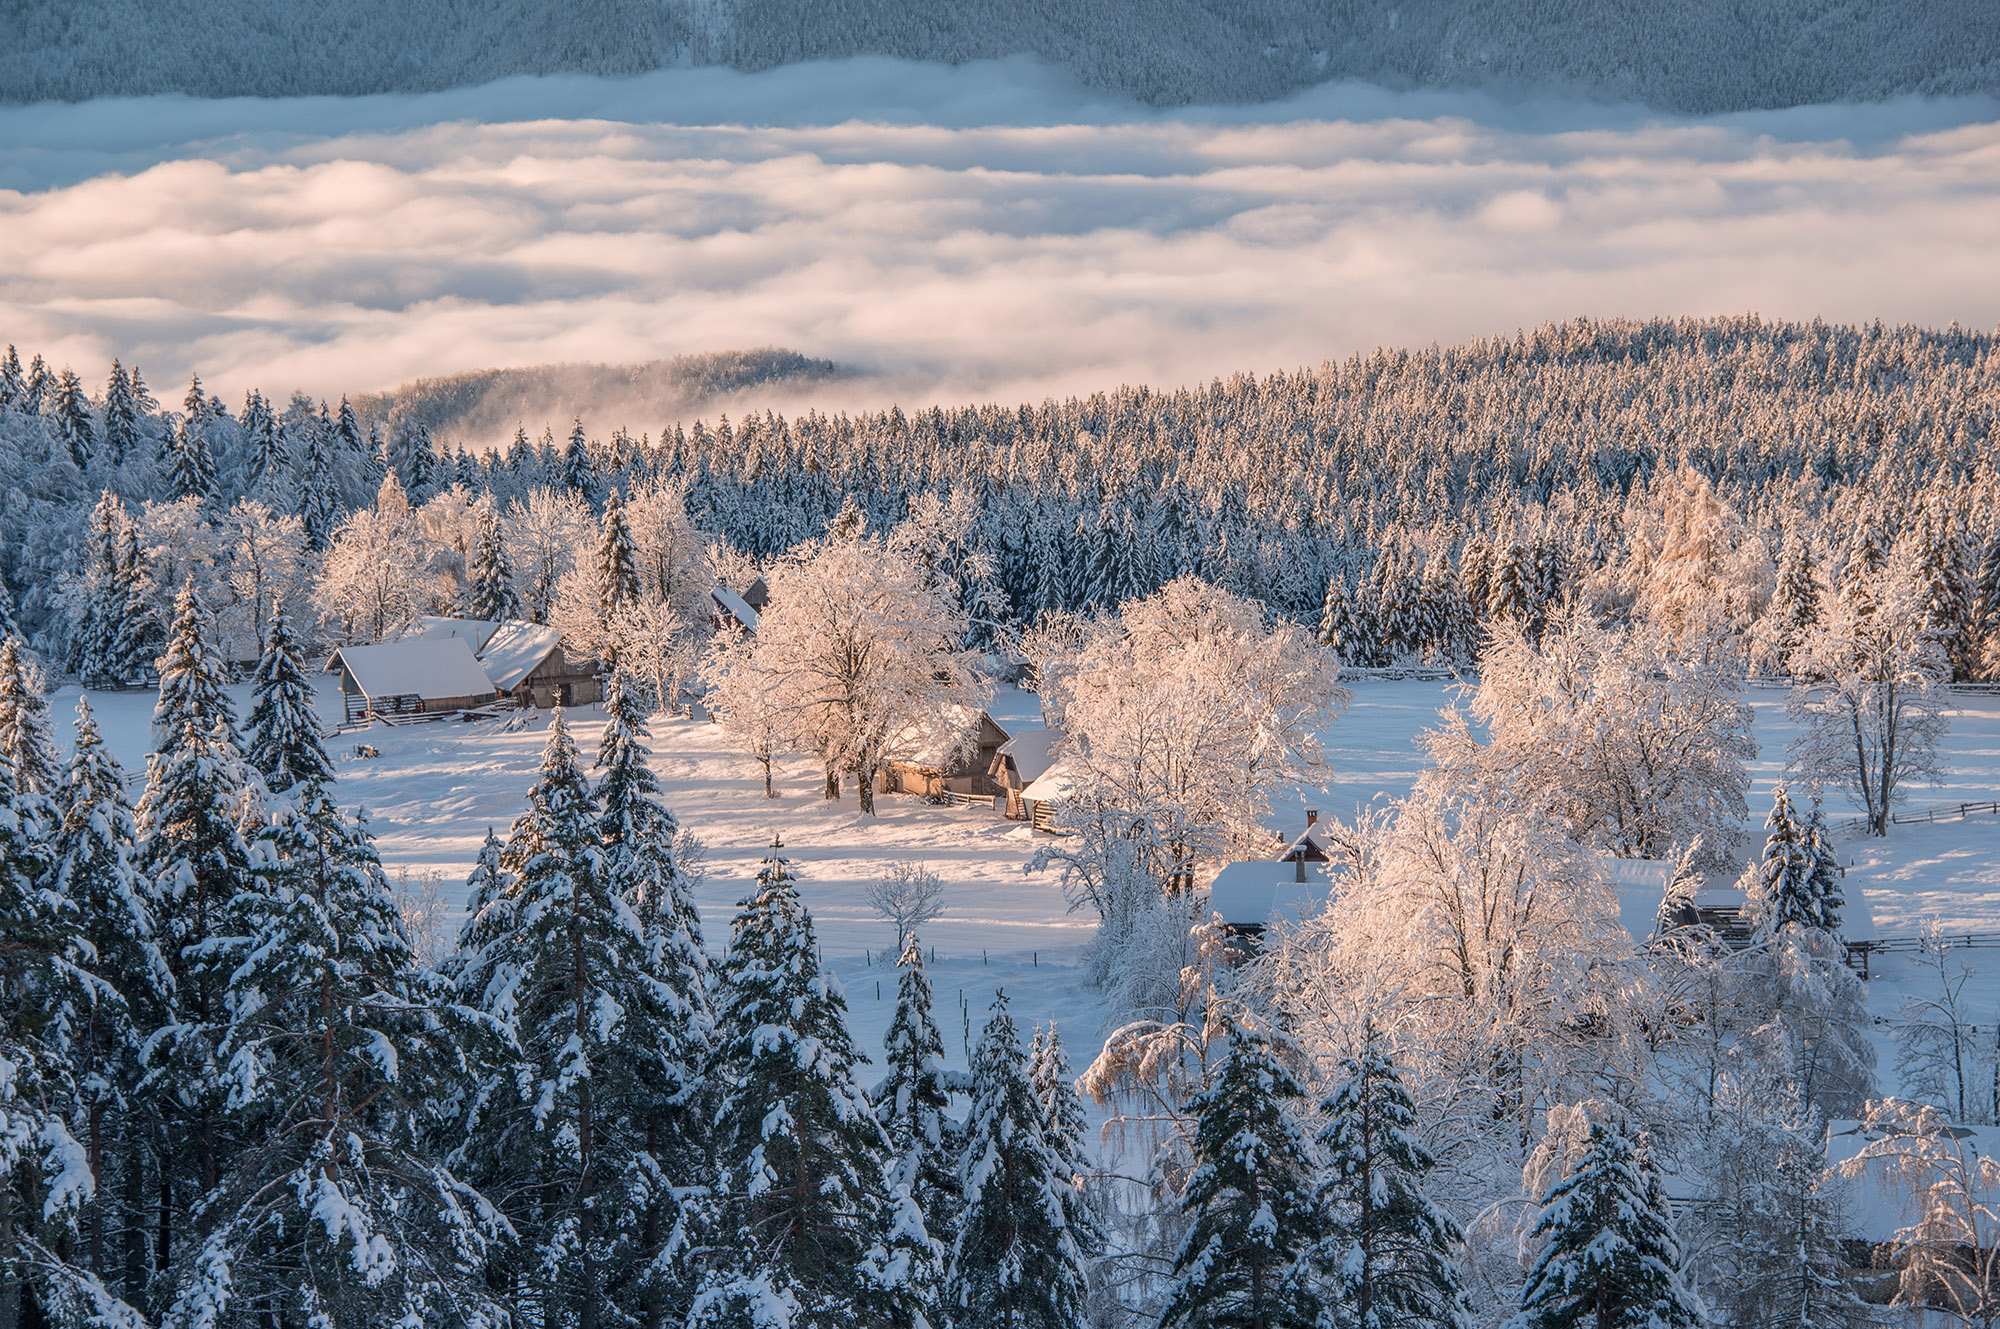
(24, 725)
(284, 747)
(1390, 1256)
(617, 579)
(190, 463)
(641, 866)
(72, 418)
(1795, 602)
(1824, 887)
(558, 1131)
(95, 869)
(489, 589)
(121, 416)
(578, 472)
(1253, 1217)
(1066, 1126)
(315, 474)
(1611, 1260)
(913, 1103)
(1785, 870)
(46, 997)
(801, 1216)
(330, 1208)
(1014, 1264)
(196, 867)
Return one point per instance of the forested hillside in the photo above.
(1699, 56)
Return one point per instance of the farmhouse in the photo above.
(409, 678)
(1252, 896)
(957, 762)
(526, 662)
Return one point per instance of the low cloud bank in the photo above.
(994, 232)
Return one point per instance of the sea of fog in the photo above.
(989, 230)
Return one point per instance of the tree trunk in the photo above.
(832, 784)
(864, 784)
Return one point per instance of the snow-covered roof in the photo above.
(1876, 1209)
(735, 606)
(1033, 751)
(947, 744)
(475, 631)
(514, 651)
(1257, 894)
(1052, 785)
(1310, 836)
(443, 667)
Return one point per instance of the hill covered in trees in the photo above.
(1701, 57)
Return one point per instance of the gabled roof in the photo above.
(515, 650)
(443, 667)
(1051, 786)
(947, 745)
(1257, 894)
(475, 631)
(1033, 751)
(735, 606)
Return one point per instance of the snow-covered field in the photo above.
(435, 789)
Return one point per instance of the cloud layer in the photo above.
(991, 250)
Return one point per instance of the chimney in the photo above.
(1299, 861)
(1312, 816)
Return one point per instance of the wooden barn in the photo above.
(400, 678)
(526, 661)
(953, 764)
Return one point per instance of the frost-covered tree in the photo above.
(71, 412)
(377, 576)
(1390, 1253)
(268, 571)
(1785, 877)
(544, 533)
(1948, 1254)
(1807, 1048)
(1015, 1264)
(1871, 699)
(1185, 714)
(121, 416)
(801, 1203)
(750, 702)
(1252, 1214)
(1795, 603)
(191, 471)
(1610, 1259)
(1632, 742)
(1067, 1129)
(862, 659)
(560, 1130)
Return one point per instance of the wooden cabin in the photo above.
(1252, 896)
(1018, 763)
(955, 763)
(728, 610)
(526, 661)
(407, 678)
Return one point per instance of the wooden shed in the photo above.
(1019, 762)
(409, 678)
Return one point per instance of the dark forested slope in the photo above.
(1680, 55)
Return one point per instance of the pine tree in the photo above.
(913, 1103)
(1611, 1260)
(1249, 1201)
(24, 724)
(578, 474)
(141, 636)
(1390, 1253)
(34, 387)
(96, 869)
(1824, 884)
(617, 567)
(196, 867)
(190, 463)
(72, 415)
(330, 1210)
(11, 384)
(489, 590)
(1015, 1264)
(316, 483)
(425, 472)
(1795, 606)
(1066, 1126)
(640, 840)
(46, 999)
(1336, 621)
(801, 1199)
(121, 416)
(561, 1132)
(1785, 871)
(284, 746)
